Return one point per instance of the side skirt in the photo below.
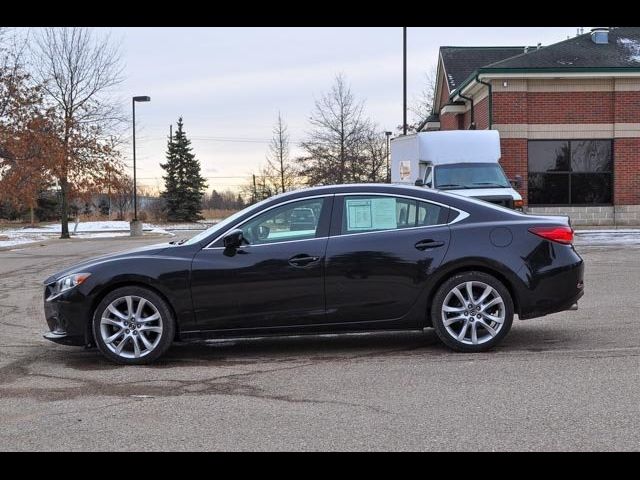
(296, 330)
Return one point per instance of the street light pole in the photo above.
(136, 226)
(388, 134)
(135, 187)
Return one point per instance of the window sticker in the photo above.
(371, 214)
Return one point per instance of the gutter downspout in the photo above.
(490, 98)
(472, 126)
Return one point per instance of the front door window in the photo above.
(293, 221)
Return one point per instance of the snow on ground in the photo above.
(12, 238)
(112, 226)
(17, 236)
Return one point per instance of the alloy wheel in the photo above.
(131, 326)
(473, 312)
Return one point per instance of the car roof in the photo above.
(468, 204)
(391, 188)
(353, 187)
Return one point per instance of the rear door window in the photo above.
(363, 213)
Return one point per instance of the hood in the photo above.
(88, 264)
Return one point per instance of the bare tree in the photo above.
(335, 144)
(77, 71)
(280, 171)
(422, 104)
(258, 186)
(121, 194)
(375, 158)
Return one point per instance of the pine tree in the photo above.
(184, 186)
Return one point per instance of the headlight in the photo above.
(67, 283)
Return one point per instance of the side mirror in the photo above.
(419, 183)
(233, 239)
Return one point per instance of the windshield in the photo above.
(223, 224)
(470, 175)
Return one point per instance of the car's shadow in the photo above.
(333, 347)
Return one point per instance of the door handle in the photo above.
(302, 260)
(426, 244)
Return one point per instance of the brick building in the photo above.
(568, 116)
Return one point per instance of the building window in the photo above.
(570, 172)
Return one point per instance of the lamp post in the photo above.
(388, 134)
(136, 226)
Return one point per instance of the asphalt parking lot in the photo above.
(569, 381)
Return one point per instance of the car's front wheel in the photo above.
(133, 325)
(472, 312)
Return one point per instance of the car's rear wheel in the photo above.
(472, 312)
(133, 326)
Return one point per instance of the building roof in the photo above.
(621, 51)
(578, 53)
(460, 62)
(434, 117)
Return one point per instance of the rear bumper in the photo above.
(552, 290)
(571, 304)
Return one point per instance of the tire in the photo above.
(128, 342)
(490, 315)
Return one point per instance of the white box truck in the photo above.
(464, 162)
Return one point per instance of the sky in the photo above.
(229, 84)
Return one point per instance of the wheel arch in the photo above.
(492, 270)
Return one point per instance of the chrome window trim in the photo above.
(420, 199)
(237, 225)
(461, 213)
(389, 230)
(272, 243)
(461, 216)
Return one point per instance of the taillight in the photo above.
(556, 234)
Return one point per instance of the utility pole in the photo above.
(255, 192)
(171, 133)
(404, 80)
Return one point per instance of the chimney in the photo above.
(600, 35)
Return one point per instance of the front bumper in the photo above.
(67, 317)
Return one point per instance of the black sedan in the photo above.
(375, 257)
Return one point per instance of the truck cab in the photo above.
(461, 162)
